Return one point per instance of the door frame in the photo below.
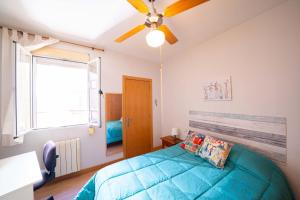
(124, 78)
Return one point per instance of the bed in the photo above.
(174, 173)
(113, 131)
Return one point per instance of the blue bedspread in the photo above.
(173, 173)
(113, 131)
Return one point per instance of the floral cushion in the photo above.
(215, 151)
(193, 141)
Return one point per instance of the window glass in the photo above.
(23, 89)
(61, 93)
(94, 96)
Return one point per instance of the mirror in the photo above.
(113, 123)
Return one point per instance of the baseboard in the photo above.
(157, 148)
(84, 171)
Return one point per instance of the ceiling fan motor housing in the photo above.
(154, 20)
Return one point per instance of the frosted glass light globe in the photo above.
(155, 38)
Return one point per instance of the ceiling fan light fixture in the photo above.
(155, 38)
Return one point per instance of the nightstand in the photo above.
(168, 141)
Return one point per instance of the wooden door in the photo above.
(113, 106)
(137, 114)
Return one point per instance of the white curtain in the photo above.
(7, 78)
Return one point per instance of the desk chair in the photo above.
(49, 158)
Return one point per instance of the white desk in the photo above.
(17, 176)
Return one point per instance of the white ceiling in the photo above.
(99, 22)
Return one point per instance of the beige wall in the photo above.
(263, 58)
(93, 148)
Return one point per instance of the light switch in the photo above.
(91, 130)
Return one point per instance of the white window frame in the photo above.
(33, 98)
(17, 47)
(99, 93)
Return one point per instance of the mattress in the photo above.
(113, 131)
(174, 173)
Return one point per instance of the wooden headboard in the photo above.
(265, 134)
(113, 106)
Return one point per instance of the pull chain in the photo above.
(161, 86)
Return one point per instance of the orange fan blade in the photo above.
(130, 33)
(180, 6)
(170, 37)
(139, 5)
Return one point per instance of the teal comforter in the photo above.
(173, 173)
(113, 131)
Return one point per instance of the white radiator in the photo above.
(68, 160)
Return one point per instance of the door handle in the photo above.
(127, 122)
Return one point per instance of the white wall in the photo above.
(93, 148)
(263, 57)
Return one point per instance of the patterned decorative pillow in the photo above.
(193, 141)
(215, 151)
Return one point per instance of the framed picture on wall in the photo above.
(218, 90)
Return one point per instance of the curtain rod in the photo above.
(47, 37)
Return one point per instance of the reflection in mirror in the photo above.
(113, 123)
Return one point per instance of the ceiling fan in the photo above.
(154, 20)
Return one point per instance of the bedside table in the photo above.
(168, 141)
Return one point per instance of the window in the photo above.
(54, 93)
(94, 73)
(60, 93)
(23, 89)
